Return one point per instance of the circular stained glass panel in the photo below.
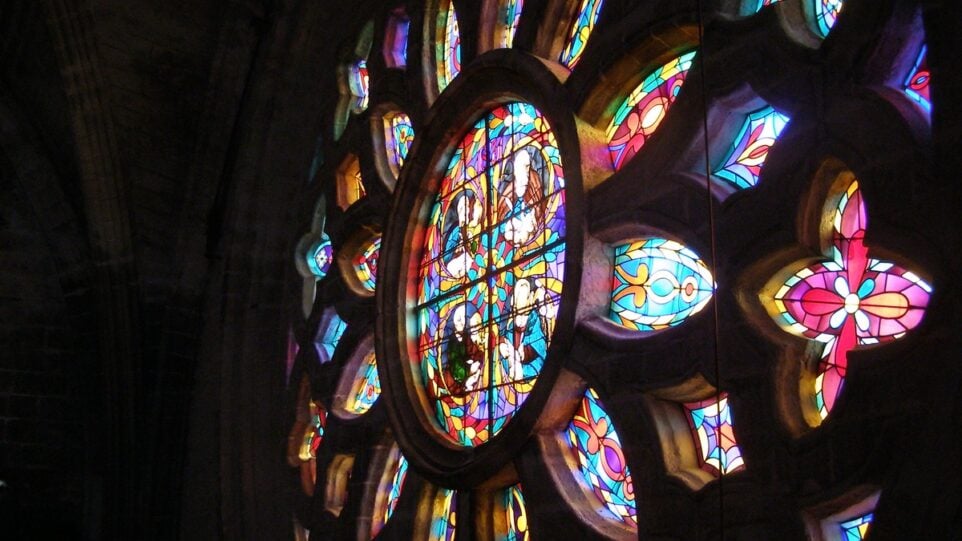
(491, 272)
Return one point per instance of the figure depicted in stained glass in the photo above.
(601, 461)
(491, 272)
(464, 353)
(848, 300)
(917, 83)
(645, 108)
(522, 196)
(523, 346)
(461, 241)
(580, 31)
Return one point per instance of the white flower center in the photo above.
(851, 303)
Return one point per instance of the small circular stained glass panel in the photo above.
(491, 272)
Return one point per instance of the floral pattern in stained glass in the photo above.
(643, 111)
(580, 31)
(398, 137)
(448, 47)
(747, 154)
(365, 263)
(366, 388)
(657, 283)
(714, 433)
(848, 300)
(601, 461)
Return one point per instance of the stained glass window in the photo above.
(645, 108)
(358, 82)
(491, 272)
(855, 529)
(365, 263)
(366, 388)
(714, 433)
(601, 460)
(396, 39)
(399, 466)
(509, 14)
(658, 283)
(350, 187)
(314, 433)
(320, 256)
(580, 32)
(826, 12)
(746, 156)
(327, 343)
(448, 47)
(516, 516)
(398, 137)
(917, 83)
(443, 515)
(848, 300)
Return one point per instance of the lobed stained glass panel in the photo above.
(448, 52)
(580, 31)
(826, 13)
(398, 137)
(366, 388)
(314, 433)
(601, 461)
(848, 300)
(491, 272)
(392, 491)
(743, 164)
(714, 433)
(917, 83)
(642, 112)
(396, 39)
(516, 516)
(509, 15)
(358, 83)
(856, 529)
(365, 263)
(657, 283)
(320, 256)
(444, 515)
(332, 335)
